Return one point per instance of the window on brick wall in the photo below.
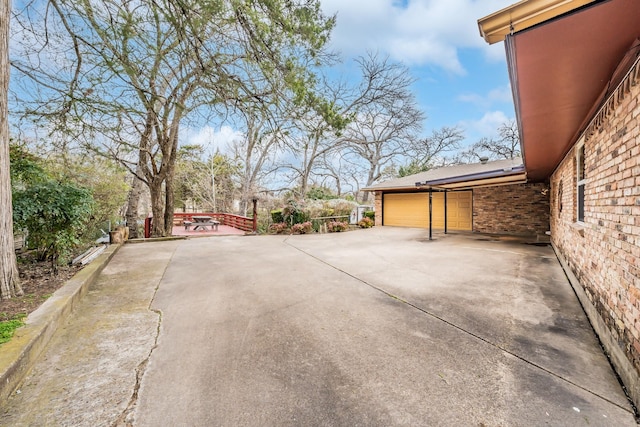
(581, 179)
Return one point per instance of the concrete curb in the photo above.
(18, 356)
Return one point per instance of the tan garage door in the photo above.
(412, 210)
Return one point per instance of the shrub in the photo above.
(276, 216)
(337, 226)
(294, 213)
(302, 228)
(54, 214)
(279, 228)
(370, 214)
(343, 208)
(320, 193)
(365, 223)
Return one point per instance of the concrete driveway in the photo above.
(375, 327)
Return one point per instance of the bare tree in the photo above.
(381, 112)
(387, 116)
(265, 127)
(142, 68)
(9, 279)
(310, 143)
(431, 151)
(505, 146)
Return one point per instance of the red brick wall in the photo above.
(521, 209)
(604, 251)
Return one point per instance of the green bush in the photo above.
(370, 214)
(103, 179)
(294, 213)
(320, 193)
(276, 216)
(54, 214)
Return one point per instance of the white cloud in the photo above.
(212, 139)
(417, 32)
(486, 126)
(500, 94)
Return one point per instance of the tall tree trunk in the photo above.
(169, 202)
(171, 157)
(133, 204)
(157, 208)
(9, 279)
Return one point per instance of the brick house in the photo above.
(575, 74)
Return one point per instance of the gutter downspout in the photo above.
(445, 211)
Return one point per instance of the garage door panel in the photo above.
(412, 210)
(406, 210)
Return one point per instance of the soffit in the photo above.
(559, 69)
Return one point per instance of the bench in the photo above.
(213, 224)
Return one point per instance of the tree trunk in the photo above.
(9, 279)
(133, 203)
(157, 208)
(168, 202)
(171, 157)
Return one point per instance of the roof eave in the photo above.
(522, 15)
(516, 175)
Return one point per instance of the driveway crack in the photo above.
(459, 328)
(126, 418)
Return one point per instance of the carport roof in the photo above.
(497, 172)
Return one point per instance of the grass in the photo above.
(8, 327)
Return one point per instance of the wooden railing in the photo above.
(236, 221)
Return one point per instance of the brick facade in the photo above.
(603, 251)
(377, 206)
(519, 209)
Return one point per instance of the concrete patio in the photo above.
(378, 327)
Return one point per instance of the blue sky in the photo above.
(461, 80)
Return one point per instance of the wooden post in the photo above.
(147, 227)
(445, 211)
(255, 214)
(430, 214)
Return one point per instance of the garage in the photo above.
(481, 197)
(412, 210)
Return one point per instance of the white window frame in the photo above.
(581, 180)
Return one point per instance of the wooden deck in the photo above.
(223, 230)
(230, 224)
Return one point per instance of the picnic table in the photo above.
(202, 222)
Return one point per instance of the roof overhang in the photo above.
(522, 15)
(560, 69)
(515, 175)
(488, 182)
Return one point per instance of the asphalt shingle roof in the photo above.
(453, 173)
